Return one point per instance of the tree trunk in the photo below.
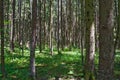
(61, 22)
(117, 40)
(90, 40)
(70, 23)
(20, 26)
(2, 37)
(44, 43)
(40, 26)
(82, 30)
(58, 21)
(119, 23)
(106, 40)
(51, 29)
(12, 26)
(33, 40)
(7, 13)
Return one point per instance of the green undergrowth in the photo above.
(66, 65)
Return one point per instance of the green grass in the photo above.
(66, 65)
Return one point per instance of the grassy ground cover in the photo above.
(66, 66)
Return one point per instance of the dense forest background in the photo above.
(60, 39)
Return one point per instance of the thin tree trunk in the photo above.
(58, 25)
(62, 31)
(119, 23)
(33, 40)
(12, 26)
(20, 27)
(2, 37)
(23, 26)
(82, 30)
(70, 23)
(40, 26)
(44, 23)
(51, 29)
(117, 12)
(7, 28)
(96, 25)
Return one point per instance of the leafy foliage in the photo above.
(66, 65)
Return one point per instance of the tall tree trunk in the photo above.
(119, 22)
(51, 29)
(40, 26)
(58, 25)
(82, 30)
(7, 13)
(106, 40)
(117, 11)
(33, 40)
(70, 23)
(61, 22)
(90, 40)
(2, 37)
(12, 26)
(20, 26)
(44, 2)
(96, 25)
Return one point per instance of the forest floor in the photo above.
(65, 66)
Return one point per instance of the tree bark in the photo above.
(90, 40)
(33, 40)
(119, 23)
(40, 25)
(12, 26)
(117, 40)
(58, 25)
(106, 40)
(82, 34)
(44, 43)
(2, 37)
(70, 23)
(51, 29)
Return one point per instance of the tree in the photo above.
(82, 34)
(106, 40)
(12, 26)
(58, 25)
(40, 25)
(119, 22)
(69, 19)
(2, 37)
(44, 21)
(117, 42)
(51, 28)
(33, 39)
(90, 40)
(61, 22)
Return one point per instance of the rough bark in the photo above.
(33, 40)
(119, 22)
(90, 40)
(44, 3)
(106, 40)
(70, 23)
(82, 30)
(12, 26)
(58, 35)
(117, 42)
(62, 31)
(51, 29)
(40, 25)
(2, 37)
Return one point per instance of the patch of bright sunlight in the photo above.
(72, 52)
